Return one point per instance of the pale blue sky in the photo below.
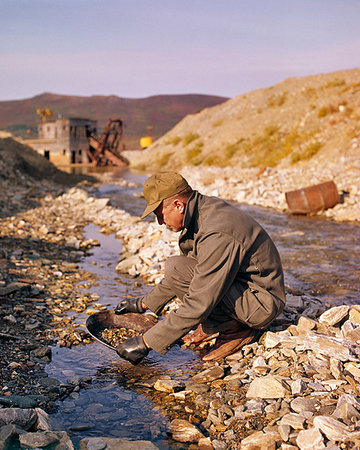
(138, 48)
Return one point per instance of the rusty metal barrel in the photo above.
(313, 199)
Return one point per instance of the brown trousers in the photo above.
(250, 305)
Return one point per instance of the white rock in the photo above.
(310, 439)
(334, 315)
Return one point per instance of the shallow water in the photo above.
(319, 257)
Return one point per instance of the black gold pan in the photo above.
(97, 322)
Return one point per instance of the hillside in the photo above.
(288, 124)
(164, 110)
(26, 176)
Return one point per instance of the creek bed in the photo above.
(320, 258)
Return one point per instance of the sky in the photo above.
(140, 48)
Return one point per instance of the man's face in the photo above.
(172, 215)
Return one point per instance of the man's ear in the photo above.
(179, 205)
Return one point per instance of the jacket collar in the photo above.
(190, 210)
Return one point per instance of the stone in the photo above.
(263, 441)
(55, 439)
(354, 369)
(168, 385)
(354, 314)
(336, 368)
(267, 387)
(284, 431)
(126, 264)
(115, 444)
(338, 348)
(184, 431)
(310, 439)
(197, 387)
(255, 406)
(300, 404)
(295, 421)
(298, 386)
(43, 420)
(24, 418)
(8, 436)
(205, 444)
(96, 444)
(213, 373)
(294, 302)
(347, 408)
(305, 323)
(42, 352)
(334, 315)
(332, 428)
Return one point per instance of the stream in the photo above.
(320, 258)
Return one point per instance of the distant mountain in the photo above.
(289, 123)
(160, 111)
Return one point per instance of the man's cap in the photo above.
(160, 186)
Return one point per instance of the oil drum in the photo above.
(313, 199)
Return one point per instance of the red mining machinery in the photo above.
(104, 150)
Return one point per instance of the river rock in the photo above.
(8, 435)
(24, 418)
(126, 264)
(260, 440)
(354, 314)
(300, 404)
(184, 431)
(293, 420)
(267, 387)
(334, 315)
(211, 374)
(305, 323)
(57, 440)
(310, 439)
(169, 385)
(337, 348)
(298, 386)
(347, 408)
(332, 428)
(100, 443)
(354, 369)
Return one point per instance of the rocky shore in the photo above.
(266, 186)
(297, 387)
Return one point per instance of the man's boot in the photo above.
(230, 341)
(198, 336)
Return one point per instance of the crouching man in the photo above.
(228, 276)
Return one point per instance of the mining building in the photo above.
(65, 140)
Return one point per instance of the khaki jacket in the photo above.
(231, 249)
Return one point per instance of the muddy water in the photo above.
(320, 258)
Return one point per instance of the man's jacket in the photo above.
(230, 248)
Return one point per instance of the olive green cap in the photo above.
(160, 186)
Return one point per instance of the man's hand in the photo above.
(133, 349)
(133, 305)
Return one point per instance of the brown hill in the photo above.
(17, 116)
(289, 123)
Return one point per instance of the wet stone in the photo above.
(169, 386)
(8, 435)
(184, 431)
(198, 388)
(213, 373)
(36, 440)
(24, 418)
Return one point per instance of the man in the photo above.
(228, 276)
